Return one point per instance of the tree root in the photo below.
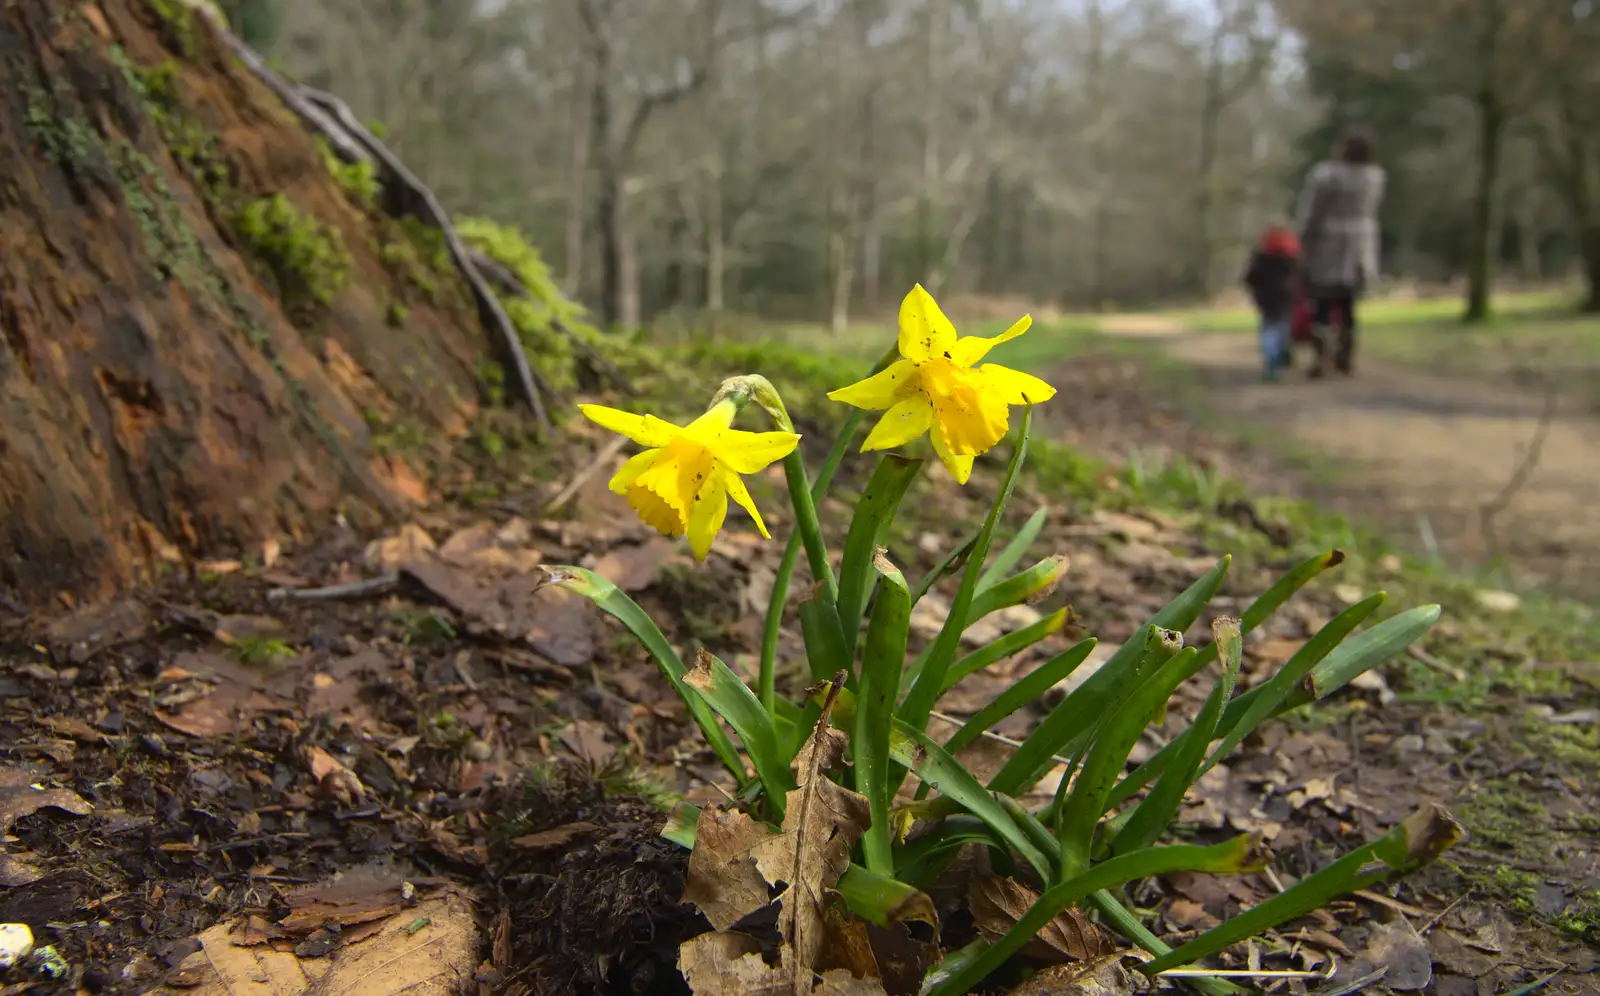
(351, 141)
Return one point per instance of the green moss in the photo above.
(491, 380)
(400, 437)
(66, 139)
(395, 314)
(358, 179)
(400, 257)
(549, 351)
(260, 650)
(191, 145)
(178, 29)
(308, 258)
(491, 443)
(429, 242)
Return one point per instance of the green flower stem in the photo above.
(869, 531)
(929, 682)
(879, 688)
(767, 680)
(1084, 803)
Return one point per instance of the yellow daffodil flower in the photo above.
(682, 482)
(937, 386)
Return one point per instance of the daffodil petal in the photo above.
(1016, 387)
(646, 430)
(882, 390)
(960, 467)
(636, 465)
(970, 349)
(924, 330)
(901, 424)
(968, 415)
(706, 515)
(753, 452)
(739, 493)
(716, 418)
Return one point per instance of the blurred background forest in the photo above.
(807, 159)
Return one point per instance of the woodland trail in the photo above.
(1415, 451)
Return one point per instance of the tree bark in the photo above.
(577, 197)
(716, 249)
(1589, 242)
(161, 402)
(1485, 216)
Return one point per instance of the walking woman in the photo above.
(1338, 224)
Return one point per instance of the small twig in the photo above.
(991, 735)
(1442, 914)
(587, 474)
(354, 589)
(1423, 657)
(1394, 904)
(1241, 973)
(1272, 878)
(1519, 477)
(460, 663)
(1352, 985)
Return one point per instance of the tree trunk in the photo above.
(608, 197)
(160, 402)
(577, 204)
(1210, 121)
(716, 248)
(843, 271)
(629, 313)
(1589, 243)
(1485, 230)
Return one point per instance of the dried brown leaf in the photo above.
(256, 930)
(1103, 977)
(554, 837)
(723, 880)
(719, 964)
(333, 778)
(849, 944)
(18, 870)
(18, 797)
(411, 544)
(1397, 947)
(998, 903)
(434, 959)
(822, 822)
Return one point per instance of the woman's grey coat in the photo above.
(1338, 224)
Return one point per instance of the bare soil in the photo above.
(226, 769)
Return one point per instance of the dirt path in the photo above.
(1416, 451)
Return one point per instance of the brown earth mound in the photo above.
(204, 317)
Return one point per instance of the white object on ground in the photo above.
(16, 940)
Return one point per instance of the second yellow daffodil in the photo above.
(937, 387)
(681, 484)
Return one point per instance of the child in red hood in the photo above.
(1274, 281)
